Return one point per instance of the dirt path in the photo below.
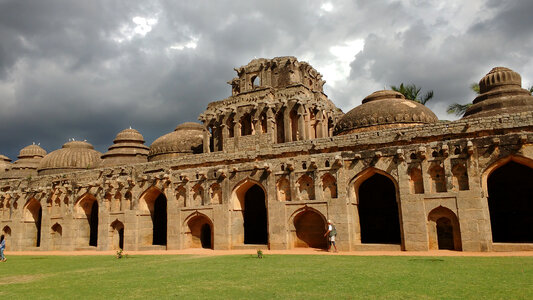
(302, 251)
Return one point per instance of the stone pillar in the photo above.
(207, 140)
(319, 124)
(301, 126)
(287, 124)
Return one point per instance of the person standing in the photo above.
(331, 233)
(2, 247)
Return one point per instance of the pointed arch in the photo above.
(33, 213)
(306, 187)
(215, 192)
(283, 187)
(329, 186)
(364, 175)
(250, 197)
(443, 230)
(153, 208)
(438, 177)
(86, 215)
(376, 196)
(509, 189)
(198, 231)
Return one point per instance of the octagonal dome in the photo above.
(187, 138)
(500, 91)
(73, 156)
(128, 148)
(382, 110)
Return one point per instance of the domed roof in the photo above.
(500, 91)
(128, 147)
(384, 109)
(74, 155)
(29, 157)
(5, 163)
(187, 138)
(32, 151)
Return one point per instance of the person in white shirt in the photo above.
(331, 233)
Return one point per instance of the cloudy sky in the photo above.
(88, 69)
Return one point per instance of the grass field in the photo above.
(275, 276)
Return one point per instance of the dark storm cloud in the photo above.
(71, 69)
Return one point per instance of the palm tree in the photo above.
(460, 109)
(412, 92)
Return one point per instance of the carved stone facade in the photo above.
(274, 161)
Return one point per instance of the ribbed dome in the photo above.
(384, 109)
(32, 151)
(29, 157)
(500, 92)
(128, 148)
(73, 156)
(187, 138)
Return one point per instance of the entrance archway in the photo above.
(378, 211)
(199, 232)
(87, 219)
(443, 230)
(255, 216)
(33, 214)
(154, 202)
(310, 228)
(510, 199)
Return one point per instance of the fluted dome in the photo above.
(128, 148)
(500, 92)
(73, 156)
(384, 109)
(29, 157)
(187, 138)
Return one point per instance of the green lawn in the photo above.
(275, 276)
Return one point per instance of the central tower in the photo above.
(272, 101)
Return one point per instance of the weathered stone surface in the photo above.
(265, 170)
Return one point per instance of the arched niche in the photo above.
(198, 231)
(438, 177)
(306, 187)
(215, 192)
(308, 228)
(283, 187)
(56, 236)
(329, 186)
(443, 230)
(116, 235)
(460, 176)
(416, 181)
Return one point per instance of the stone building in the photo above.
(272, 162)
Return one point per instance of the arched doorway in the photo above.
(443, 230)
(255, 216)
(117, 235)
(510, 199)
(153, 214)
(87, 219)
(310, 228)
(199, 232)
(33, 214)
(378, 211)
